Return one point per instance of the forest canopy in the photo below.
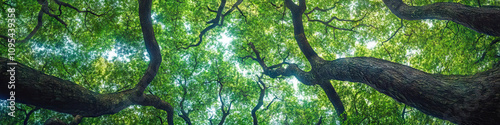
(250, 62)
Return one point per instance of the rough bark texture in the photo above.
(481, 19)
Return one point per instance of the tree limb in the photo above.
(74, 8)
(334, 99)
(151, 46)
(487, 49)
(464, 15)
(29, 115)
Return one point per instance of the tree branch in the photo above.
(334, 99)
(481, 19)
(327, 23)
(488, 49)
(74, 8)
(260, 100)
(29, 115)
(394, 32)
(155, 101)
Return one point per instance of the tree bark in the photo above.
(481, 19)
(471, 99)
(33, 87)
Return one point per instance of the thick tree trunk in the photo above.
(33, 87)
(472, 99)
(481, 19)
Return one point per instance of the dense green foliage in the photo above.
(106, 54)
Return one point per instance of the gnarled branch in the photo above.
(481, 19)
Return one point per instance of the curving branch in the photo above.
(74, 8)
(334, 98)
(225, 113)
(37, 27)
(327, 23)
(155, 101)
(56, 121)
(68, 97)
(488, 49)
(45, 9)
(394, 34)
(29, 115)
(217, 21)
(183, 114)
(481, 19)
(276, 71)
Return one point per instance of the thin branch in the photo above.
(390, 56)
(76, 120)
(29, 115)
(78, 10)
(211, 9)
(38, 26)
(319, 9)
(276, 6)
(327, 23)
(394, 32)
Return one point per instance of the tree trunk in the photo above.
(472, 99)
(481, 19)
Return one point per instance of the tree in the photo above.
(480, 19)
(437, 67)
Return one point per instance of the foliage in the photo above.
(83, 52)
